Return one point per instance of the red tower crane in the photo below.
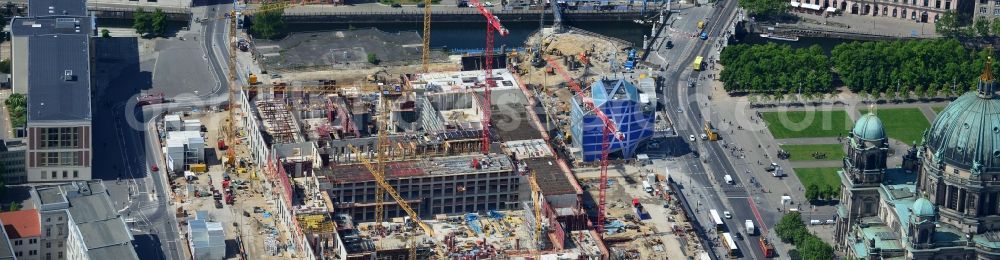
(492, 24)
(609, 127)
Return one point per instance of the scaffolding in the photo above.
(278, 122)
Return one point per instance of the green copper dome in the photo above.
(924, 208)
(869, 127)
(967, 133)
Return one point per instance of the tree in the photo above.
(830, 193)
(159, 22)
(789, 227)
(765, 8)
(995, 27)
(982, 27)
(14, 206)
(373, 59)
(17, 107)
(947, 24)
(5, 66)
(269, 24)
(142, 22)
(812, 248)
(812, 192)
(105, 33)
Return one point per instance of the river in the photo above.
(473, 36)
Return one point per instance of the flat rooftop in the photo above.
(550, 177)
(56, 7)
(462, 81)
(59, 75)
(438, 166)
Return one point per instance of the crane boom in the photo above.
(380, 180)
(609, 128)
(492, 24)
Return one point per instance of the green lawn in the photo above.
(798, 124)
(804, 152)
(822, 177)
(903, 124)
(938, 109)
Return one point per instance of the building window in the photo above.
(48, 231)
(45, 175)
(18, 254)
(60, 137)
(937, 4)
(49, 219)
(53, 175)
(926, 2)
(947, 5)
(32, 241)
(65, 174)
(48, 256)
(996, 11)
(982, 10)
(76, 174)
(60, 245)
(18, 242)
(33, 252)
(60, 255)
(59, 159)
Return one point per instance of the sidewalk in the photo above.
(866, 24)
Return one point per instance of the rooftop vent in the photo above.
(68, 75)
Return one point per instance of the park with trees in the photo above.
(875, 69)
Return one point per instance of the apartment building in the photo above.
(78, 221)
(51, 65)
(920, 11)
(23, 229)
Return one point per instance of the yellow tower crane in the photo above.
(536, 196)
(425, 56)
(234, 82)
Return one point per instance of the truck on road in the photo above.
(750, 228)
(729, 179)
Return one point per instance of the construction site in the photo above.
(468, 156)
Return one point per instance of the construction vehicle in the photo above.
(701, 24)
(609, 128)
(711, 133)
(426, 51)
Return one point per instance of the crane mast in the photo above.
(426, 54)
(492, 26)
(609, 128)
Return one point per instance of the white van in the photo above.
(729, 179)
(647, 187)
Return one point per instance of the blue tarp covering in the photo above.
(495, 215)
(472, 219)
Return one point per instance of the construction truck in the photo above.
(711, 133)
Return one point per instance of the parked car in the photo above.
(738, 235)
(771, 167)
(154, 168)
(691, 138)
(670, 44)
(727, 214)
(704, 36)
(397, 5)
(218, 204)
(421, 5)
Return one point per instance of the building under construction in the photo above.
(312, 139)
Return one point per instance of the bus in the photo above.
(711, 133)
(731, 250)
(719, 226)
(697, 63)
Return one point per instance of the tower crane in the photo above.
(492, 24)
(609, 128)
(536, 194)
(426, 54)
(234, 83)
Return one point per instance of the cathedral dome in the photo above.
(966, 134)
(869, 127)
(924, 208)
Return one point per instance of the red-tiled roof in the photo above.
(21, 223)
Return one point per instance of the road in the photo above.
(685, 105)
(129, 132)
